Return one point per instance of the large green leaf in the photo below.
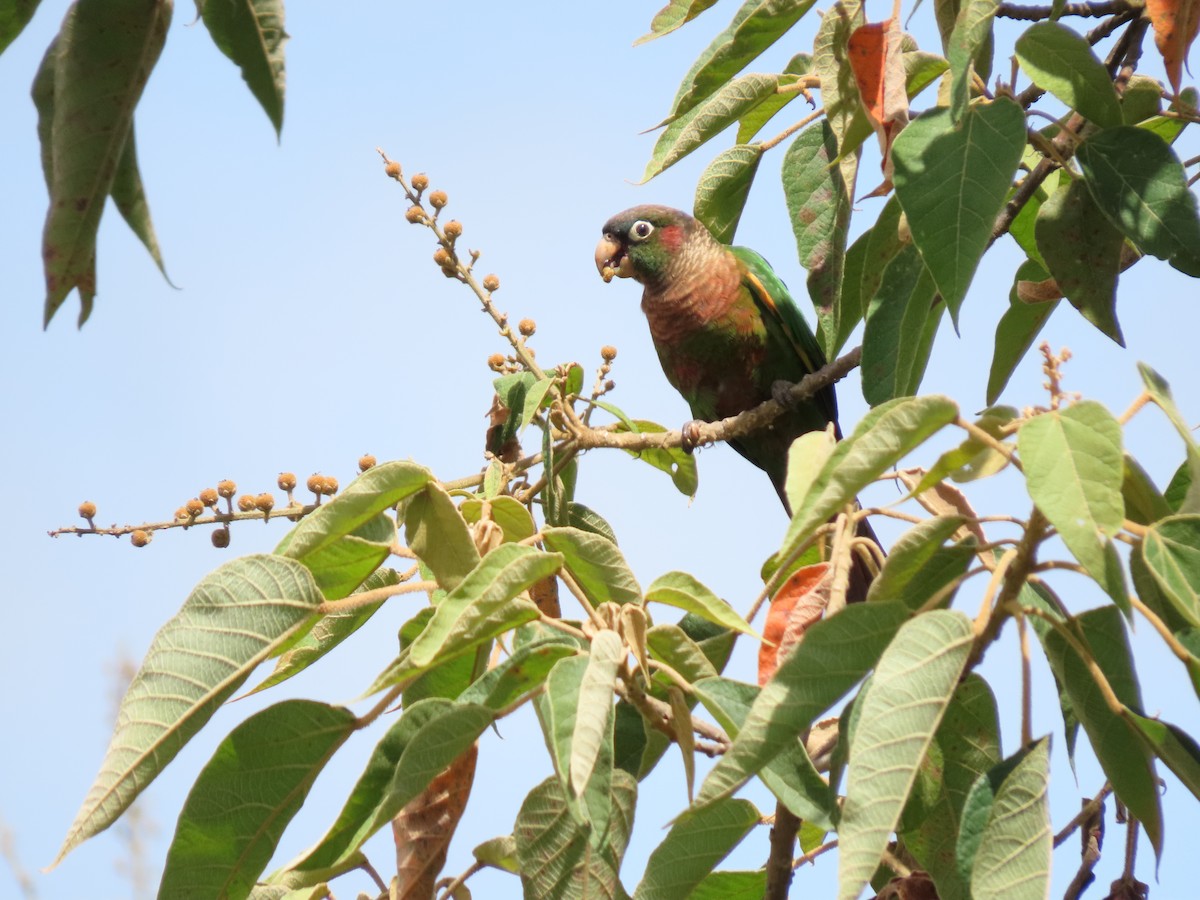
(839, 89)
(706, 120)
(1006, 842)
(677, 463)
(250, 32)
(129, 197)
(834, 655)
(731, 886)
(952, 180)
(596, 564)
(883, 437)
(681, 590)
(1082, 251)
(818, 201)
(693, 848)
(102, 59)
(1171, 549)
(236, 617)
(522, 672)
(341, 565)
(14, 16)
(593, 714)
(969, 47)
(1186, 484)
(427, 738)
(245, 796)
(723, 188)
(756, 26)
(674, 15)
(1073, 465)
(909, 558)
(1140, 184)
(866, 261)
(1173, 746)
(753, 122)
(913, 682)
(899, 316)
(558, 855)
(439, 535)
(1061, 61)
(1017, 329)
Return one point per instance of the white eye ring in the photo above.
(641, 230)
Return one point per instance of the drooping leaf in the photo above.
(674, 461)
(593, 714)
(818, 201)
(596, 564)
(245, 796)
(1176, 23)
(969, 48)
(693, 848)
(952, 181)
(876, 56)
(672, 645)
(1171, 550)
(798, 604)
(236, 617)
(250, 32)
(1144, 503)
(14, 16)
(447, 680)
(1082, 251)
(1017, 329)
(1140, 184)
(102, 59)
(675, 14)
(1173, 746)
(438, 534)
(683, 591)
(898, 317)
(1061, 61)
(1183, 493)
(913, 683)
(723, 188)
(129, 196)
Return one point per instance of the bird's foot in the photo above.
(781, 393)
(691, 435)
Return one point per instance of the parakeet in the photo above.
(724, 325)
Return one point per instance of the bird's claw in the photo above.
(691, 435)
(781, 393)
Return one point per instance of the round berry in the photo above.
(139, 538)
(496, 362)
(609, 385)
(608, 353)
(414, 215)
(453, 229)
(442, 257)
(287, 481)
(420, 181)
(366, 461)
(226, 488)
(315, 482)
(87, 509)
(208, 497)
(246, 502)
(181, 513)
(195, 507)
(491, 283)
(264, 503)
(393, 171)
(329, 486)
(220, 538)
(527, 327)
(438, 199)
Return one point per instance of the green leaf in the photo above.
(1140, 184)
(376, 490)
(1183, 493)
(884, 436)
(973, 458)
(250, 32)
(683, 591)
(129, 196)
(1173, 746)
(507, 512)
(1073, 465)
(754, 120)
(1170, 127)
(969, 47)
(913, 682)
(731, 886)
(818, 201)
(14, 16)
(672, 645)
(674, 15)
(593, 716)
(1171, 550)
(1062, 62)
(329, 631)
(341, 565)
(245, 796)
(101, 61)
(908, 559)
(693, 848)
(447, 680)
(921, 69)
(806, 457)
(707, 119)
(866, 261)
(1017, 329)
(1126, 762)
(587, 519)
(1141, 100)
(236, 617)
(839, 90)
(952, 181)
(834, 655)
(674, 461)
(523, 671)
(499, 853)
(1012, 858)
(1082, 251)
(427, 738)
(756, 26)
(558, 856)
(898, 318)
(439, 535)
(1144, 504)
(723, 188)
(596, 565)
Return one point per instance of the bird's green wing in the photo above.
(781, 315)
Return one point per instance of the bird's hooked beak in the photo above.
(611, 259)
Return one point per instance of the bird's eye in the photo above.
(641, 230)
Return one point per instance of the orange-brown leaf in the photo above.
(795, 606)
(877, 60)
(424, 827)
(1176, 23)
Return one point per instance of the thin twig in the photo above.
(366, 598)
(1088, 810)
(1085, 10)
(814, 853)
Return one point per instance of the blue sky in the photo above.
(311, 326)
